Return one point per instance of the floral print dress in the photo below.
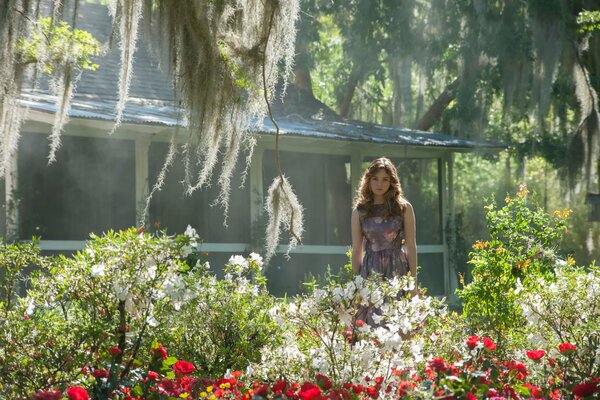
(384, 237)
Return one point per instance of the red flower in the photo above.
(534, 391)
(77, 393)
(261, 391)
(472, 341)
(586, 389)
(339, 395)
(470, 396)
(566, 348)
(438, 365)
(535, 354)
(152, 375)
(160, 351)
(308, 391)
(115, 350)
(100, 373)
(51, 395)
(360, 323)
(279, 387)
(488, 344)
(323, 382)
(519, 368)
(183, 367)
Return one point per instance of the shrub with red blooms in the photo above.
(323, 382)
(587, 389)
(77, 393)
(472, 341)
(50, 395)
(309, 391)
(535, 354)
(183, 367)
(566, 348)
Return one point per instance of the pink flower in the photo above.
(183, 367)
(472, 341)
(488, 344)
(566, 348)
(77, 393)
(535, 354)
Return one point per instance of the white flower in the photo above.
(122, 293)
(98, 270)
(30, 308)
(256, 258)
(191, 233)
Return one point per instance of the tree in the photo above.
(225, 59)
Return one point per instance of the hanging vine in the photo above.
(225, 59)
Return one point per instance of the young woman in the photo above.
(383, 223)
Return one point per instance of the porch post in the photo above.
(256, 196)
(142, 149)
(11, 198)
(356, 160)
(442, 186)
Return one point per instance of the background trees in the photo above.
(522, 73)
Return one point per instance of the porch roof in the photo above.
(163, 113)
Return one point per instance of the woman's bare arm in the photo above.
(411, 241)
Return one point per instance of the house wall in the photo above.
(100, 182)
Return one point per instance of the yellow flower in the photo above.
(203, 394)
(507, 199)
(184, 395)
(523, 191)
(209, 389)
(480, 245)
(499, 250)
(212, 397)
(562, 214)
(570, 261)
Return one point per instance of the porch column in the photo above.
(142, 148)
(11, 198)
(356, 170)
(257, 226)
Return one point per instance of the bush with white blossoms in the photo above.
(111, 294)
(566, 310)
(225, 322)
(325, 331)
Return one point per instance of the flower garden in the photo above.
(141, 316)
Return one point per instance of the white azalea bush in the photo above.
(326, 332)
(566, 310)
(225, 322)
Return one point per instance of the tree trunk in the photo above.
(345, 100)
(433, 114)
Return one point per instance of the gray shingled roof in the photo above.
(151, 95)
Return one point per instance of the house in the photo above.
(101, 182)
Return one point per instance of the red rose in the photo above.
(470, 396)
(472, 341)
(183, 367)
(360, 323)
(586, 389)
(160, 352)
(438, 365)
(115, 350)
(261, 391)
(52, 395)
(488, 344)
(308, 391)
(152, 375)
(519, 368)
(323, 382)
(77, 393)
(534, 391)
(567, 348)
(279, 387)
(100, 373)
(535, 354)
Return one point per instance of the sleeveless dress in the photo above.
(384, 237)
(384, 254)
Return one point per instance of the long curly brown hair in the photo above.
(393, 198)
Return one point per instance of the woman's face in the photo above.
(380, 184)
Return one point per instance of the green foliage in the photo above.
(226, 322)
(522, 247)
(588, 21)
(57, 45)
